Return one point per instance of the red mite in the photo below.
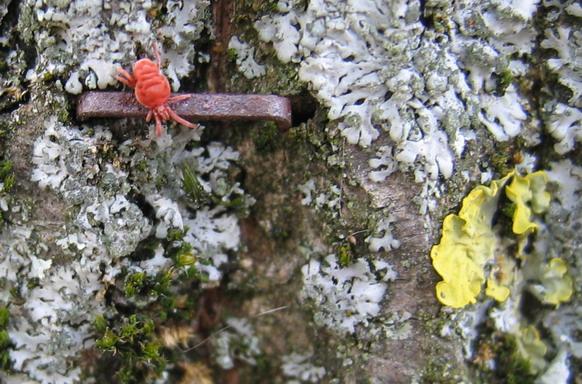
(152, 90)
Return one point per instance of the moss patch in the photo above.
(5, 343)
(133, 341)
(510, 366)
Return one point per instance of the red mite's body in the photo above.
(152, 90)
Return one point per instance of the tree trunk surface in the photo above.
(239, 253)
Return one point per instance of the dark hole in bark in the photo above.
(303, 107)
(530, 305)
(146, 208)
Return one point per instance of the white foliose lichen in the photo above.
(95, 37)
(237, 342)
(378, 69)
(563, 40)
(4, 197)
(345, 297)
(213, 231)
(557, 372)
(51, 326)
(66, 162)
(307, 189)
(383, 165)
(382, 238)
(168, 212)
(398, 326)
(328, 201)
(565, 125)
(567, 42)
(503, 116)
(298, 368)
(53, 323)
(245, 58)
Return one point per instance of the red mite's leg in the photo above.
(158, 125)
(125, 77)
(149, 116)
(175, 99)
(163, 113)
(178, 119)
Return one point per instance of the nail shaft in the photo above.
(199, 107)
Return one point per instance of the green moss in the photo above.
(237, 203)
(3, 66)
(4, 317)
(162, 284)
(280, 233)
(33, 283)
(134, 343)
(231, 54)
(5, 345)
(108, 341)
(504, 80)
(128, 341)
(142, 165)
(250, 7)
(432, 325)
(267, 138)
(134, 283)
(507, 209)
(511, 368)
(344, 255)
(176, 234)
(185, 259)
(502, 160)
(141, 285)
(192, 186)
(9, 182)
(4, 130)
(263, 368)
(5, 342)
(48, 77)
(182, 254)
(100, 324)
(161, 181)
(6, 175)
(7, 179)
(437, 372)
(63, 115)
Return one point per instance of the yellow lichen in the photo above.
(529, 194)
(556, 285)
(496, 290)
(467, 244)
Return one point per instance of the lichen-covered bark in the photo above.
(235, 253)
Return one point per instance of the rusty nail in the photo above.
(199, 107)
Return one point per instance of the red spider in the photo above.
(152, 90)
